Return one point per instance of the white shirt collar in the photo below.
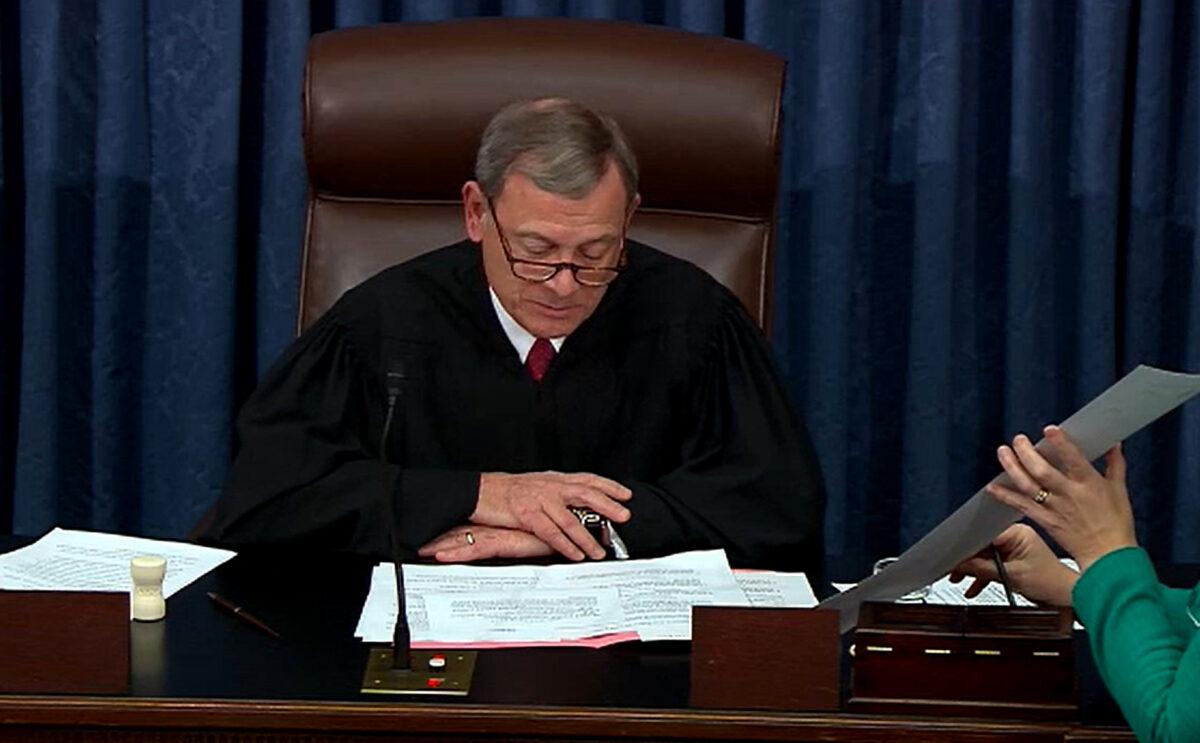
(521, 338)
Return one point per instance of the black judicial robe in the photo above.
(668, 388)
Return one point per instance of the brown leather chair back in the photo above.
(393, 115)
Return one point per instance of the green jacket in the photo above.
(1145, 638)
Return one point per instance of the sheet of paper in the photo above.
(779, 590)
(1142, 396)
(654, 598)
(526, 616)
(378, 618)
(67, 560)
(955, 594)
(658, 595)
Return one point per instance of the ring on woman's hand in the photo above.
(469, 537)
(1041, 496)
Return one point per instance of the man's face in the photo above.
(548, 228)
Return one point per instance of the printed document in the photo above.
(779, 590)
(67, 560)
(589, 604)
(657, 595)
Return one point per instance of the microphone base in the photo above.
(454, 679)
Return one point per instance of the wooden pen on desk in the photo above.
(241, 613)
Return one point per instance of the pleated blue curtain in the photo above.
(990, 214)
(987, 214)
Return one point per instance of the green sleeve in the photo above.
(1145, 644)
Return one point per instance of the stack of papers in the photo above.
(588, 604)
(65, 560)
(955, 594)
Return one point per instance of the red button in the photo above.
(434, 682)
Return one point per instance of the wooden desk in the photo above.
(202, 676)
(46, 719)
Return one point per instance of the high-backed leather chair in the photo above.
(393, 116)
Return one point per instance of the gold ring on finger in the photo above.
(469, 537)
(1041, 496)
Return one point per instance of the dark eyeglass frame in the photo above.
(610, 272)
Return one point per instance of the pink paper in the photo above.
(599, 641)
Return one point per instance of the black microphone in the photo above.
(401, 639)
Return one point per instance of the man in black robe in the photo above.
(545, 363)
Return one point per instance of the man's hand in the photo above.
(1032, 568)
(537, 503)
(471, 543)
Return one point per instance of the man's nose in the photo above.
(563, 283)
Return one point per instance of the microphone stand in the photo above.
(401, 639)
(401, 671)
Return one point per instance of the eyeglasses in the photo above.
(540, 272)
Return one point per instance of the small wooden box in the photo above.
(979, 661)
(765, 658)
(64, 642)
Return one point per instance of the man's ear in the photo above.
(474, 210)
(634, 203)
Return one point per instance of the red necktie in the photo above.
(539, 358)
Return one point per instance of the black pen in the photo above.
(241, 613)
(1012, 601)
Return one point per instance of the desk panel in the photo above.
(50, 718)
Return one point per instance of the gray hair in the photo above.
(563, 147)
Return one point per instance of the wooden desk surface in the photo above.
(201, 675)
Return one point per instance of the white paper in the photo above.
(657, 595)
(378, 618)
(778, 590)
(1142, 396)
(654, 598)
(955, 594)
(67, 560)
(526, 616)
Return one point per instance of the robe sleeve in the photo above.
(749, 480)
(308, 470)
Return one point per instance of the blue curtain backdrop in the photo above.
(988, 215)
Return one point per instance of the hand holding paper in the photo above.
(1142, 396)
(1086, 513)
